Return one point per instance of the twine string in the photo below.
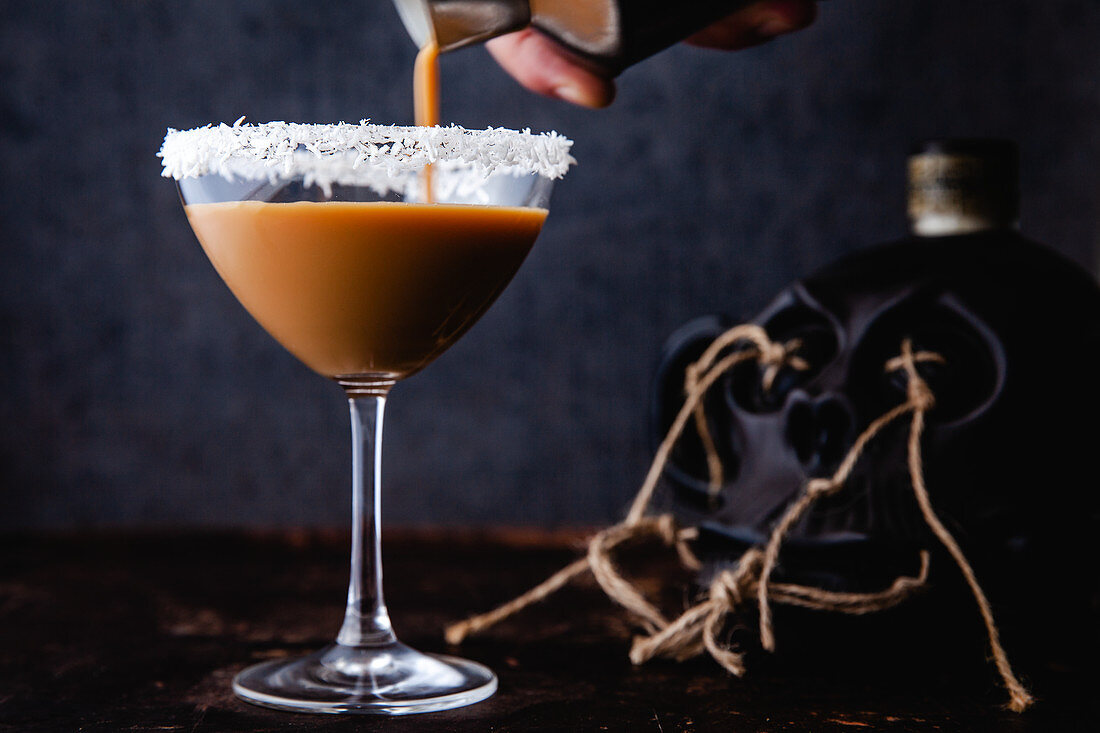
(772, 356)
(919, 394)
(815, 489)
(698, 379)
(613, 583)
(730, 588)
(455, 633)
(699, 628)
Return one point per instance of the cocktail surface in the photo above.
(353, 288)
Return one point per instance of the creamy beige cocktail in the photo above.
(375, 288)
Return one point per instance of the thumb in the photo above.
(544, 67)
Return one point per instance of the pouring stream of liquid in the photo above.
(426, 98)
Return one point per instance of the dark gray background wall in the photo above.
(134, 390)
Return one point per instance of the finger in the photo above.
(756, 24)
(542, 66)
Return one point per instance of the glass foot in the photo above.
(384, 680)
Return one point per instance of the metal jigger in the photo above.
(609, 35)
(458, 23)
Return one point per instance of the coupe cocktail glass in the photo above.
(324, 234)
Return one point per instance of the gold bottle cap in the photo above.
(963, 185)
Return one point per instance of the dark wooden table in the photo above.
(143, 632)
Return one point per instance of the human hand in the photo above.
(543, 66)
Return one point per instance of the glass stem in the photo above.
(366, 621)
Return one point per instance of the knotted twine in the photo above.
(698, 628)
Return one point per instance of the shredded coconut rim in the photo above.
(361, 154)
